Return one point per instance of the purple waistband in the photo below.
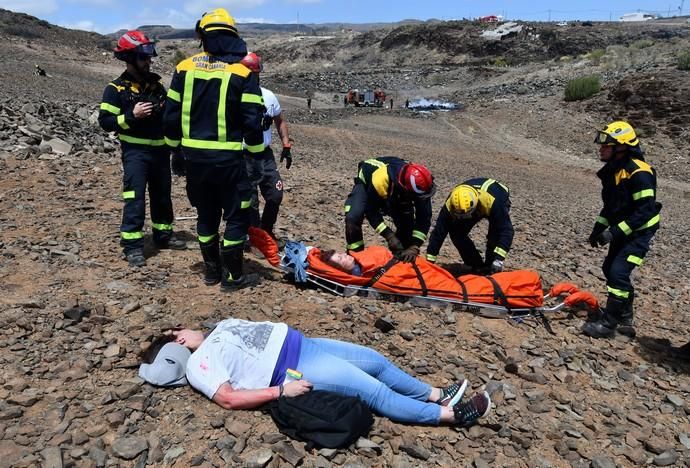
(288, 357)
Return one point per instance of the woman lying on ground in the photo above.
(243, 364)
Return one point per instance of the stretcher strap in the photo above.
(499, 295)
(465, 297)
(422, 283)
(382, 271)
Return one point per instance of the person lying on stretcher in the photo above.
(376, 267)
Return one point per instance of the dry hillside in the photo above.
(75, 316)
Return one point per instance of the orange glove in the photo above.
(559, 289)
(582, 297)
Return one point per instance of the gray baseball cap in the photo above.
(169, 367)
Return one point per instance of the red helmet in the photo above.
(132, 44)
(417, 179)
(253, 62)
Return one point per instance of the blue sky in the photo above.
(106, 16)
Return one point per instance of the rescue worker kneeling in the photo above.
(391, 186)
(132, 106)
(214, 105)
(468, 203)
(628, 221)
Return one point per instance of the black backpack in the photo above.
(322, 419)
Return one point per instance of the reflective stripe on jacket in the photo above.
(116, 110)
(212, 108)
(629, 196)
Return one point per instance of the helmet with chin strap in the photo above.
(134, 45)
(417, 180)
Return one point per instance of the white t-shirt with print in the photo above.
(239, 352)
(272, 109)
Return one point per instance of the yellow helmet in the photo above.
(463, 200)
(617, 133)
(216, 20)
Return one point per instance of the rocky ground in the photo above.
(75, 316)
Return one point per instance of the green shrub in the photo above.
(684, 61)
(177, 57)
(642, 44)
(596, 54)
(500, 61)
(582, 88)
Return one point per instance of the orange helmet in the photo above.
(134, 44)
(417, 179)
(253, 62)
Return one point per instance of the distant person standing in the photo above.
(391, 103)
(407, 103)
(309, 103)
(132, 106)
(262, 168)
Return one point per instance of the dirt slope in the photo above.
(69, 395)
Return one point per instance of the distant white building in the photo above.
(628, 17)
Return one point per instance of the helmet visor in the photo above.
(148, 50)
(604, 138)
(427, 195)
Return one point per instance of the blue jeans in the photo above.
(350, 369)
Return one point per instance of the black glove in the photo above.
(394, 244)
(605, 237)
(409, 254)
(593, 238)
(178, 164)
(285, 154)
(598, 229)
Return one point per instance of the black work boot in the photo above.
(605, 327)
(135, 258)
(626, 326)
(233, 278)
(683, 352)
(173, 244)
(211, 253)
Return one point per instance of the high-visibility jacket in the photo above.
(629, 196)
(116, 110)
(384, 195)
(493, 204)
(212, 108)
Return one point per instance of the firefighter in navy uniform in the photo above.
(214, 105)
(132, 106)
(402, 190)
(467, 204)
(627, 222)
